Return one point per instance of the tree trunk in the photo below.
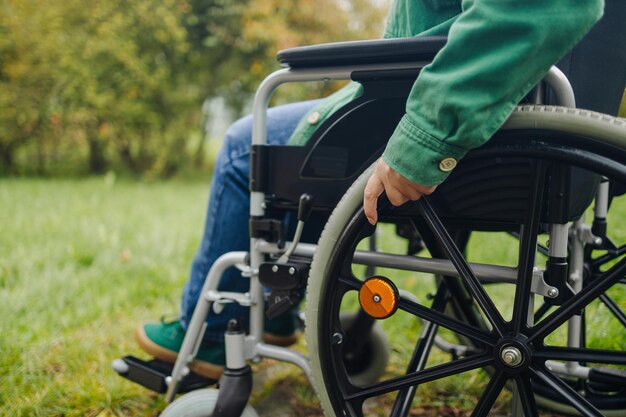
(97, 162)
(7, 160)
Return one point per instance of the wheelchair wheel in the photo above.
(501, 346)
(200, 403)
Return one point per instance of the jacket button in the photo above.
(313, 118)
(447, 164)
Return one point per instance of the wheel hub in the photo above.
(511, 356)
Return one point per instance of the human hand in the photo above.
(399, 189)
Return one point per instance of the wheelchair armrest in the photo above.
(380, 51)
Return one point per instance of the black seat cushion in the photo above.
(380, 51)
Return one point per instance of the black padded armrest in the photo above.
(381, 51)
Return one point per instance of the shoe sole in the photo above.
(277, 340)
(202, 368)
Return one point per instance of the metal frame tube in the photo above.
(195, 330)
(602, 199)
(485, 273)
(235, 354)
(285, 355)
(575, 280)
(561, 86)
(559, 235)
(256, 292)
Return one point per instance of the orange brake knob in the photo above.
(378, 297)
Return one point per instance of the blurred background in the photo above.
(140, 86)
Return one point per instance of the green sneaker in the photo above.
(163, 341)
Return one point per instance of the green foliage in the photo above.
(119, 84)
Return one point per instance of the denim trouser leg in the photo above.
(226, 223)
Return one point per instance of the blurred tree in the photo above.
(271, 25)
(27, 79)
(126, 84)
(120, 83)
(238, 41)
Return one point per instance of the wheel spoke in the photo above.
(527, 398)
(581, 355)
(541, 311)
(540, 248)
(607, 257)
(527, 250)
(490, 395)
(433, 316)
(461, 265)
(402, 405)
(422, 377)
(356, 408)
(350, 282)
(614, 308)
(445, 321)
(577, 303)
(568, 393)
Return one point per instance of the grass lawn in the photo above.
(82, 262)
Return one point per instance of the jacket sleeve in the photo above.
(497, 51)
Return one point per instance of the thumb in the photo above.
(373, 190)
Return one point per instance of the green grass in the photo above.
(82, 262)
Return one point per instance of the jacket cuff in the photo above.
(420, 157)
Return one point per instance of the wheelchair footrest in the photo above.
(152, 374)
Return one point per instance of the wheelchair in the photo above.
(516, 337)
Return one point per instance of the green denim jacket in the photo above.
(497, 50)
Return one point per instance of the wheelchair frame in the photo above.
(251, 347)
(235, 384)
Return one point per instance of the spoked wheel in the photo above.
(512, 364)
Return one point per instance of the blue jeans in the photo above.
(226, 223)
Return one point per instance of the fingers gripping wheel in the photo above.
(531, 356)
(378, 297)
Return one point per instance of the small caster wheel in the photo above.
(373, 358)
(200, 403)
